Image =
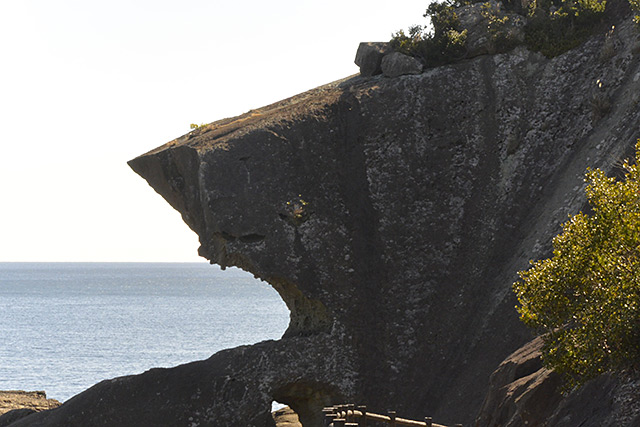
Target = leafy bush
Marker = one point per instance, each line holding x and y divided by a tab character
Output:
586	297
635	7
442	45
554	27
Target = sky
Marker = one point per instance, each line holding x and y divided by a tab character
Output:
86	85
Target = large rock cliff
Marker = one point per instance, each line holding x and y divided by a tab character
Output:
391	214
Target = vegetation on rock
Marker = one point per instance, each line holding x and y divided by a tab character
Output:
635	6
556	26
443	44
586	297
553	27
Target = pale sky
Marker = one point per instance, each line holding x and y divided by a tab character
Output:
87	85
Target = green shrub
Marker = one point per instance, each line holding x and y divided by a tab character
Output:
635	7
441	45
497	29
553	27
556	26
586	297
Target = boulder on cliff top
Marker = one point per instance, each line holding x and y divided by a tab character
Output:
369	57
397	64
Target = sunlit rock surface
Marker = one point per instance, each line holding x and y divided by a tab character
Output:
16	404
391	214
524	393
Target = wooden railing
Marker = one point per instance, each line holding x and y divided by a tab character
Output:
350	415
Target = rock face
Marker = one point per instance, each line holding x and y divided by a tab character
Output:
391	215
523	393
232	388
396	64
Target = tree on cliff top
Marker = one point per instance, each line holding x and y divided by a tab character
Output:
586	297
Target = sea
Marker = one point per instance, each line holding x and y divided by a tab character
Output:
66	326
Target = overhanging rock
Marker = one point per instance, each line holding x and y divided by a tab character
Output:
391	214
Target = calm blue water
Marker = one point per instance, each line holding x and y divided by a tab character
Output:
66	326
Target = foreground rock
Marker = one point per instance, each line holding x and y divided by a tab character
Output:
232	388
285	417
523	393
391	215
16	404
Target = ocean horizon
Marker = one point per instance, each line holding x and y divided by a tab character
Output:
68	325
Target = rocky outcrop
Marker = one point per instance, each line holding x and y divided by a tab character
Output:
523	393
16	404
369	57
391	215
396	64
487	28
232	388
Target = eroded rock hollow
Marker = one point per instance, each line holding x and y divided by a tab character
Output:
391	214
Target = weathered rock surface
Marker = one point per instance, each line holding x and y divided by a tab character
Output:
232	388
16	404
607	401
489	27
391	215
523	393
397	64
369	57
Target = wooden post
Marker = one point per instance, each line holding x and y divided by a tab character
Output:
350	415
328	419
338	411
392	417
428	421
328	412
363	419
344	408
